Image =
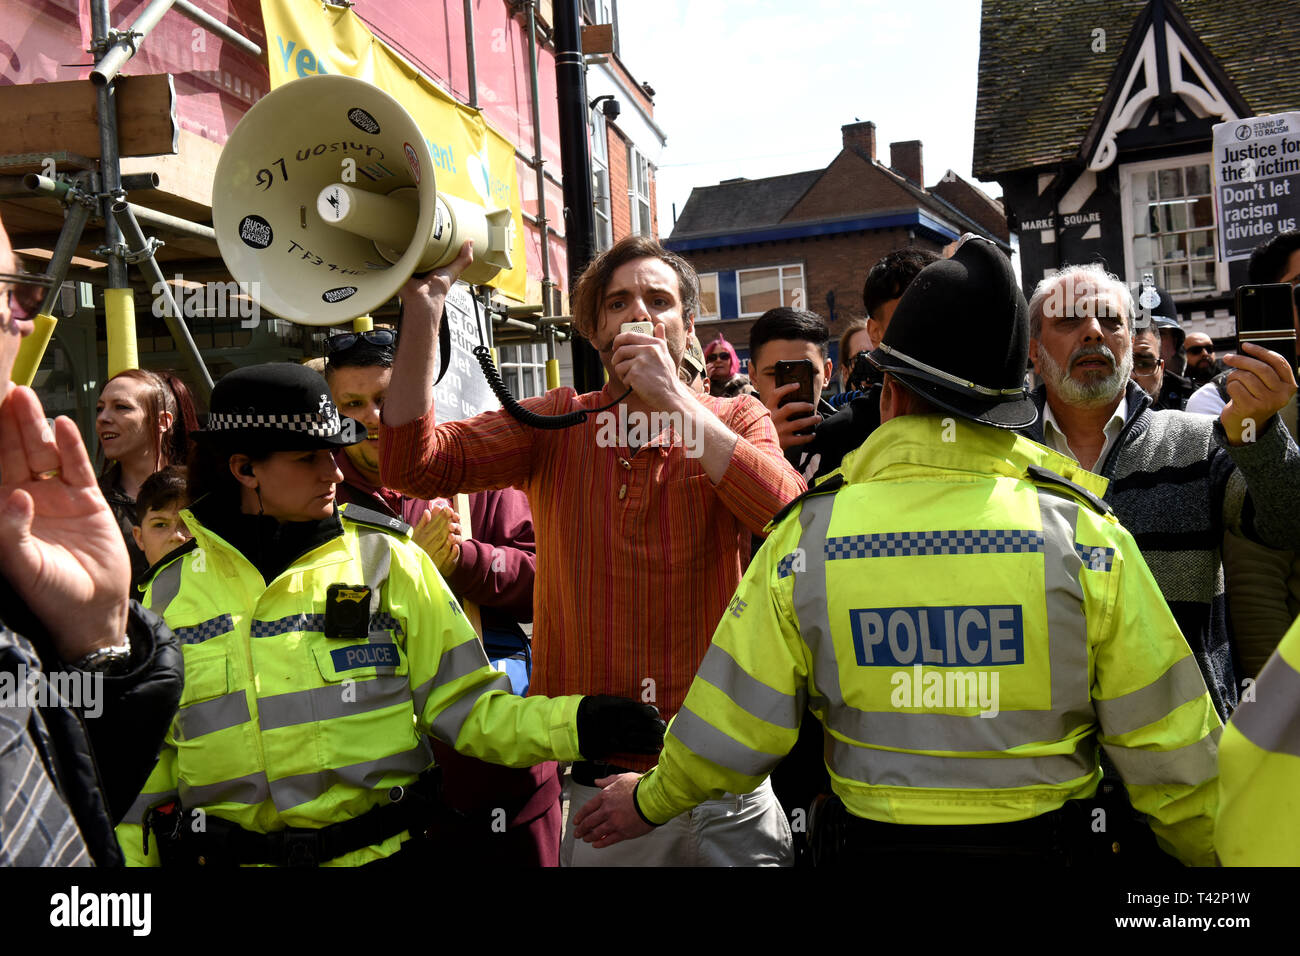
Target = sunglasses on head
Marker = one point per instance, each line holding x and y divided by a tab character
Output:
342	341
1198	349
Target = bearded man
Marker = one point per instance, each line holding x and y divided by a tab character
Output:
1177	480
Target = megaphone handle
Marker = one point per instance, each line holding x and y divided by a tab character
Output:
444	349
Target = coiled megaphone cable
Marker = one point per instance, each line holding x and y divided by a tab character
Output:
522	415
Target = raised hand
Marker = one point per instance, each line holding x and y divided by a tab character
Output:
644	364
1259	386
62	550
794	417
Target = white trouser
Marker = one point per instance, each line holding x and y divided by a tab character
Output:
739	830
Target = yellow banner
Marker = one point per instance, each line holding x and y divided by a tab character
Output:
472	160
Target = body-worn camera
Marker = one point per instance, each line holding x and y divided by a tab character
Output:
347	612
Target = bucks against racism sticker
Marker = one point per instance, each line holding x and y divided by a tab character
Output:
338	295
255	231
362	120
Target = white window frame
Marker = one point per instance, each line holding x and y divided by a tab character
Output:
527	361
717	298
801	302
600	184
638	192
1127	172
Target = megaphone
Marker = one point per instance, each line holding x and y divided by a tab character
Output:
324	249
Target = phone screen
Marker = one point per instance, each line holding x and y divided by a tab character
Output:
1265	317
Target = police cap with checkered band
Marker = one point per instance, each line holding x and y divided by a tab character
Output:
278	406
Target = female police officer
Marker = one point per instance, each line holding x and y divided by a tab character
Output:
320	646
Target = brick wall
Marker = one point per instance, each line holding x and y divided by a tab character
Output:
974	204
850	185
620	212
836	264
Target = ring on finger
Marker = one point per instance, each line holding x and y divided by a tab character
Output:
47	475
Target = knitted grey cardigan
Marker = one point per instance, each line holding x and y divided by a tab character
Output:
1176	484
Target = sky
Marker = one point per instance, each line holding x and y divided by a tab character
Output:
761	88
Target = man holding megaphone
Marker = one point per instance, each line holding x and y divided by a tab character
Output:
643	513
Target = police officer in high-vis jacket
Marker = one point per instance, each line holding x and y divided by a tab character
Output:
963	614
321	646
1259	767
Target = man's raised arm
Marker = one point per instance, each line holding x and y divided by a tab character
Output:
410	393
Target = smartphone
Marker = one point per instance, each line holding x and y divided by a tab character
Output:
645	328
802	372
1265	317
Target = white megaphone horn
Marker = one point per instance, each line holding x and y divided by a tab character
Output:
325	197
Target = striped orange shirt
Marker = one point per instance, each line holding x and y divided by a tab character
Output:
638	554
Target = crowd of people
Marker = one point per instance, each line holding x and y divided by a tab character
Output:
1029	560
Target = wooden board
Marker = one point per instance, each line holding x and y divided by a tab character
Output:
598	38
43	117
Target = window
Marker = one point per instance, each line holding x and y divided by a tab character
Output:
763	289
708	297
638	191
1168	210
600	180
523	368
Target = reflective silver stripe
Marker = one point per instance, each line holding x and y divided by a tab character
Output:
459	661
166	585
1190	765
1181	683
376	559
1272	719
808	600
209	716
721	670
422	695
331	701
290	792
135	813
715	746
446	726
250	790
456	662
891	768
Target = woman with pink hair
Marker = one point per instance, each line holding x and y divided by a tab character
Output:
722	366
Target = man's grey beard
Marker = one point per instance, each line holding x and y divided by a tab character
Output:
1094	394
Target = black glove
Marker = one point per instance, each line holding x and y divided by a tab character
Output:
608	725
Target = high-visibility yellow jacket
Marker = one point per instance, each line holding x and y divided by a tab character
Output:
281	726
967	626
1259	767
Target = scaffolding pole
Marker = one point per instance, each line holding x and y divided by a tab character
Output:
142	254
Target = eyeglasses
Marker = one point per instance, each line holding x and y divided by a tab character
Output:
1145	365
1198	349
343	341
